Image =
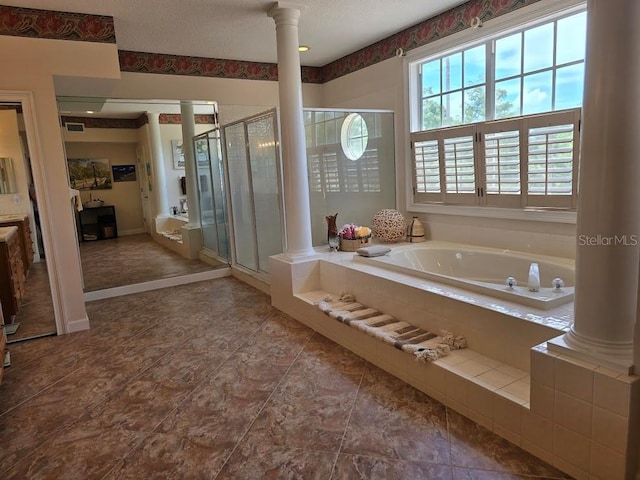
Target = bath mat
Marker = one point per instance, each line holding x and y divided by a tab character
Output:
425	346
11	329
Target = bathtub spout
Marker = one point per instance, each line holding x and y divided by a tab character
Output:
534	277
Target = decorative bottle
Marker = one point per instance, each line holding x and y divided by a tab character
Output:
415	232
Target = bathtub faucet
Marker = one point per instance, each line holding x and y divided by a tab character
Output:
534	277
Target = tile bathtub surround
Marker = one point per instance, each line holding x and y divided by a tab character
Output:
501	329
213	382
568	412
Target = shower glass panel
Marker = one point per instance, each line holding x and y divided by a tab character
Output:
351	166
253	161
263	158
212	193
241	198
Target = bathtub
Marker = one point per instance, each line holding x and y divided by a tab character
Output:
482	270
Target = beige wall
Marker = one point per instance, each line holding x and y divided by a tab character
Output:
10	147
124	196
172	175
31	65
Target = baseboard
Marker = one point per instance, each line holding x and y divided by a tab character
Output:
251	279
134	231
156	284
78	325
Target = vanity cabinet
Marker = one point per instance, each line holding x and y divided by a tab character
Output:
3	345
12	276
24	233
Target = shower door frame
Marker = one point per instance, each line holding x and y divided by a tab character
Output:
225	182
275	113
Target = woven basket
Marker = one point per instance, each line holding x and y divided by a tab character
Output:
353	245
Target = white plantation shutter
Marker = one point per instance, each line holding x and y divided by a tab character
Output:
552	159
331	172
370	170
426	168
458	160
315	173
502	147
525	162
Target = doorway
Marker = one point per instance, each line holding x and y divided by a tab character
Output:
32	311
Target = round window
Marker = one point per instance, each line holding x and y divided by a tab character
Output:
354	136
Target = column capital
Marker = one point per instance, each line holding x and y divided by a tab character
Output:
286	13
155	116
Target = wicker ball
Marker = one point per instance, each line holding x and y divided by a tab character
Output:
389	225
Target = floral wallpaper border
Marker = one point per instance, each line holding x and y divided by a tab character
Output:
447	23
96	28
142	62
96	122
34	23
176	119
164	119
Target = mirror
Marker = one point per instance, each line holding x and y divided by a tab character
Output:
111	160
27	304
7	177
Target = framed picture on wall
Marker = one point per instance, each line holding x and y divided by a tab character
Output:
178	154
89	173
124	173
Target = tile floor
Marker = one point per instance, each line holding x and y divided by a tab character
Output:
35	314
131	259
209	381
105	264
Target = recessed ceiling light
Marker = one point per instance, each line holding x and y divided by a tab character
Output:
89	111
304	48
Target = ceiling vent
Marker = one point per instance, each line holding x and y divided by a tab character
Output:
74	127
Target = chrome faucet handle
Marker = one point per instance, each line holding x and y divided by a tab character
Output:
557	284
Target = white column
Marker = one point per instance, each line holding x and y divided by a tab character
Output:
294	150
159	183
608	225
190	169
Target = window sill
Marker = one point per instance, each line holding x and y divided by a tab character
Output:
529	214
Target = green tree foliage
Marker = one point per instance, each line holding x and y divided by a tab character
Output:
474	108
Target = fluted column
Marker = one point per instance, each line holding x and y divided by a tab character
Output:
294	150
190	169
159	184
608	222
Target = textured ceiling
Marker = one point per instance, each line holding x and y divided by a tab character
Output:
241	29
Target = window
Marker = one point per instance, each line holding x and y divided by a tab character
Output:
496	122
539	68
526	162
354	136
343	151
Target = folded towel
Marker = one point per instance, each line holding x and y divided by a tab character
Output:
373	251
76	199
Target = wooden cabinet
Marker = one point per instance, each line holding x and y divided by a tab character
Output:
97	223
12	273
3	344
24	233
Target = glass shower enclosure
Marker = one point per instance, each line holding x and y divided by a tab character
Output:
252	153
212	195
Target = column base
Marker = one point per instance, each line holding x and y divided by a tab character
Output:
616	356
294	257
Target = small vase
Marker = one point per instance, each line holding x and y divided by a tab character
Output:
415	232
